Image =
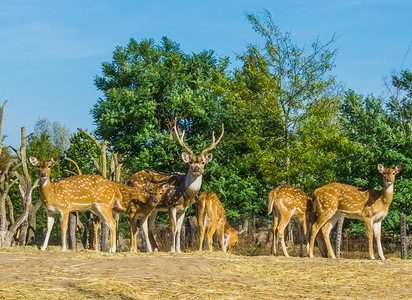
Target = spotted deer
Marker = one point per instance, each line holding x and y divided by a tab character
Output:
140	204
79	193
288	202
211	216
137	205
181	191
336	199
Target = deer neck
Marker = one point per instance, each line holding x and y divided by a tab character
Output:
46	191
387	194
191	185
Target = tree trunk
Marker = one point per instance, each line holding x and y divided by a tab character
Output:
338	241
104	236
23	233
5	238
31	233
287	144
72	231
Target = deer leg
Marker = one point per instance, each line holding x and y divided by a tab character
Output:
369	232
95	233
284	221
50	222
172	217
64	224
133	234
145	227
320	240
275	234
180	218
106	215
326	232
306	230
301	231
220	229
210	232
377	232
315	228
201	223
151	220
112	224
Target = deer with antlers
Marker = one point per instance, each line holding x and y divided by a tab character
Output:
79	193
181	191
211	215
336	199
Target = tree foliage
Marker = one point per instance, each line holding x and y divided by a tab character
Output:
145	87
285	117
381	137
291	100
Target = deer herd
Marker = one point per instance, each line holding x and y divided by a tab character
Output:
148	192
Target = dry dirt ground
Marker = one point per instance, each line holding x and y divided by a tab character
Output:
28	273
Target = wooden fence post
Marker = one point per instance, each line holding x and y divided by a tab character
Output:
404	245
338	236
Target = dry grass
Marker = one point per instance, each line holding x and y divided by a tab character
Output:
27	273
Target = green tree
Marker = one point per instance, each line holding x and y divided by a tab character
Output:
285	91
381	136
83	151
145	87
401	101
55	136
49	139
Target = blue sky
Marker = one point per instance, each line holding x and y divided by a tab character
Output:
50	51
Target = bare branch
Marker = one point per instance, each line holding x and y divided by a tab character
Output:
90	136
79	172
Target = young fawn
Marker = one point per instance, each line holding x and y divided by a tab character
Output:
79	193
336	199
140	205
211	215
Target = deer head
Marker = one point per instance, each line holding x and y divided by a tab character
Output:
43	167
389	174
196	162
155	191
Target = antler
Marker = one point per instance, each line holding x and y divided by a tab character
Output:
180	138
214	144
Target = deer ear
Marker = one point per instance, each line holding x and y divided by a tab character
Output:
53	160
208	158
381	168
33	160
185	157
398	168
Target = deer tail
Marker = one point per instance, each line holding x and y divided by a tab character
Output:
271	199
314	202
209	210
118	202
